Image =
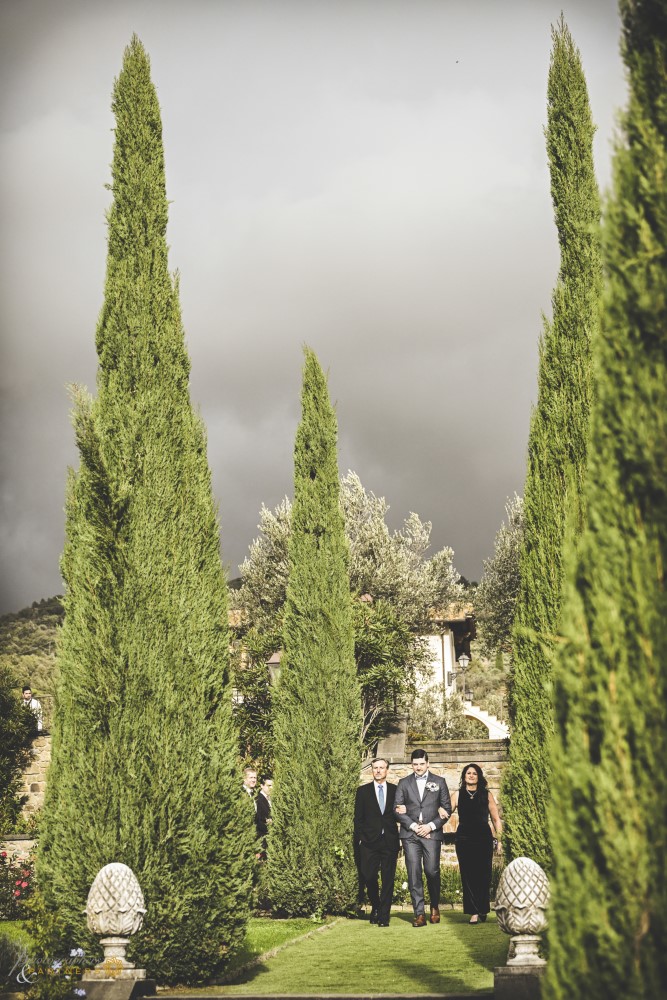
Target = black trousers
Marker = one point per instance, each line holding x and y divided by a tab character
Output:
376	861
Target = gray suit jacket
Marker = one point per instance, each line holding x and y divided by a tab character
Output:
436	794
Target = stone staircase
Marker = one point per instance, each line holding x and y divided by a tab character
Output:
497	730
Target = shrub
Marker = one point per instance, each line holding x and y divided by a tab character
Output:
17	729
16	883
57	978
13	957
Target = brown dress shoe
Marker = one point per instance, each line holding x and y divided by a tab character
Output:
435	915
419	921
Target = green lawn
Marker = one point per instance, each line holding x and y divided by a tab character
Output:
14	929
353	956
264	935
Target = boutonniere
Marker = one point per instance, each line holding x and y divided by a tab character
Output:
432	786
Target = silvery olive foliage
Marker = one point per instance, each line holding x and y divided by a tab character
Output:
392	567
388	565
496	596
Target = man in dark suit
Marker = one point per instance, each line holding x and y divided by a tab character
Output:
376	836
421	794
263	812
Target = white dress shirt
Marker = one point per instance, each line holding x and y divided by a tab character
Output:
421	785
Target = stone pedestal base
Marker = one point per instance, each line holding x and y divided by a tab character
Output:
114	965
525	950
120	988
518	982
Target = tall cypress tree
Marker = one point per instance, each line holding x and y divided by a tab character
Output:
608	923
317	709
143	768
556	448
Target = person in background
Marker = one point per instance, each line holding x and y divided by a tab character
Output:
474	840
249	784
263	812
34	705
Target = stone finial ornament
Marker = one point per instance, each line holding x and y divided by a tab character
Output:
521	904
115	901
115	909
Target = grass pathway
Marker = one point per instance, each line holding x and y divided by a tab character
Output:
355	957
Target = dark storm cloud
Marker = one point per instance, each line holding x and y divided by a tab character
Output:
367	178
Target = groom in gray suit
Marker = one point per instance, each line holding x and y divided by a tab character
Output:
422	794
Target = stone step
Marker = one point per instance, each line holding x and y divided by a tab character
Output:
486	718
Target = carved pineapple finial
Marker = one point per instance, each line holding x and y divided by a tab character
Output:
521	906
115	902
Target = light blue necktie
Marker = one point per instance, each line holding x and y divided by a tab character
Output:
381	798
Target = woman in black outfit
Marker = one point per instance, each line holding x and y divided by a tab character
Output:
474	841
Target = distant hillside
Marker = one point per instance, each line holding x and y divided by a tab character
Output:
28	643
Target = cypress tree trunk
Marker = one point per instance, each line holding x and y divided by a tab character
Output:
317	708
556	449
609	808
144	751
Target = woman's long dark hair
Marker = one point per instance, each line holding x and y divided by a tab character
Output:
482	783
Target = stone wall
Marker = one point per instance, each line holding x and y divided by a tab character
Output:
19	846
34	777
34	786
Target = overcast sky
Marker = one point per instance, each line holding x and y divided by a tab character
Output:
365	176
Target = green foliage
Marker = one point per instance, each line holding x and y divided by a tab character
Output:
18	728
31	632
608	918
391	567
488	682
53	974
51	982
16	885
317	707
265	573
28	647
388	656
436	716
144	751
556	449
13	956
253	704
496	596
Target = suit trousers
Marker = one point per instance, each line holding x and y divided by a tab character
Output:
379	860
422	853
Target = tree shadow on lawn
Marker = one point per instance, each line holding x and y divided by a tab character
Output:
451	957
